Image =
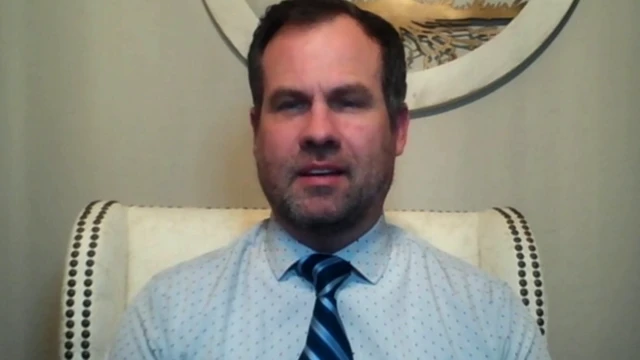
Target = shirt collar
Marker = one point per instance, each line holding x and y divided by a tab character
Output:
369	255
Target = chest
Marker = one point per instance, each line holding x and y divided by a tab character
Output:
394	322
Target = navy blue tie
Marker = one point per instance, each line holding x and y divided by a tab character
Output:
327	339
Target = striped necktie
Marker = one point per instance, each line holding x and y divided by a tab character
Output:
327	339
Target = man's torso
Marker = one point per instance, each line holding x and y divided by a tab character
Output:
230	305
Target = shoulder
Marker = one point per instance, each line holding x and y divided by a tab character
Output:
204	271
447	272
174	299
479	300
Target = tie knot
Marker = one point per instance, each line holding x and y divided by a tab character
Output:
325	272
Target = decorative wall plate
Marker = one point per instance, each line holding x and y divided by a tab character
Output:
453	47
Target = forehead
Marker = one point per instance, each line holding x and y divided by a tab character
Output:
323	55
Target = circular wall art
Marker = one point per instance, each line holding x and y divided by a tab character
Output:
453	48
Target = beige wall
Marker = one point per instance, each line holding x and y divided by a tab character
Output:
143	102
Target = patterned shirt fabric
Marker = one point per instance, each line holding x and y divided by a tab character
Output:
405	299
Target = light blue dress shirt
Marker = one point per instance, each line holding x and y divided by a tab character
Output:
407	300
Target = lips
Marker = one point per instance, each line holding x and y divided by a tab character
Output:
322	170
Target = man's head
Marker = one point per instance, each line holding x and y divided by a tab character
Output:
311	12
328	83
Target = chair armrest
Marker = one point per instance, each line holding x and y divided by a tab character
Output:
508	250
94	287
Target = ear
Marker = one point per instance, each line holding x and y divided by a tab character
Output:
254	115
402	129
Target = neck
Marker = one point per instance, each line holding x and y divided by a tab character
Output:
332	240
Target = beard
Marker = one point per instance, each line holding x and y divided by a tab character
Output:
326	210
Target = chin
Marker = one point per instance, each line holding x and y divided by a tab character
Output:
318	208
320	211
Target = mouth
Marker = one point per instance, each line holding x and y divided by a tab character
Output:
322	170
322	174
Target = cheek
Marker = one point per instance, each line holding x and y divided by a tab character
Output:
274	144
368	141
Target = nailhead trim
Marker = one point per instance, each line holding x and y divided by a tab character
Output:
87	233
69	333
519	228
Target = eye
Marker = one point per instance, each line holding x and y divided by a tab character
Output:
348	104
350	98
291	105
352	103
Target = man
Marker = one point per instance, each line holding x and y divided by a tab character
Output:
326	277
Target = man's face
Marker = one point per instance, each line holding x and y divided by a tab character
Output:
323	144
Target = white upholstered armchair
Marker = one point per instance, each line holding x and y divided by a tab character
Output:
115	249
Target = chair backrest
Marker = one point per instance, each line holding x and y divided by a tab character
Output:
115	249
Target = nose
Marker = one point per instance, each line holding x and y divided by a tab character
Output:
320	134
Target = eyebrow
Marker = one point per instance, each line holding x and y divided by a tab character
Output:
283	93
353	89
